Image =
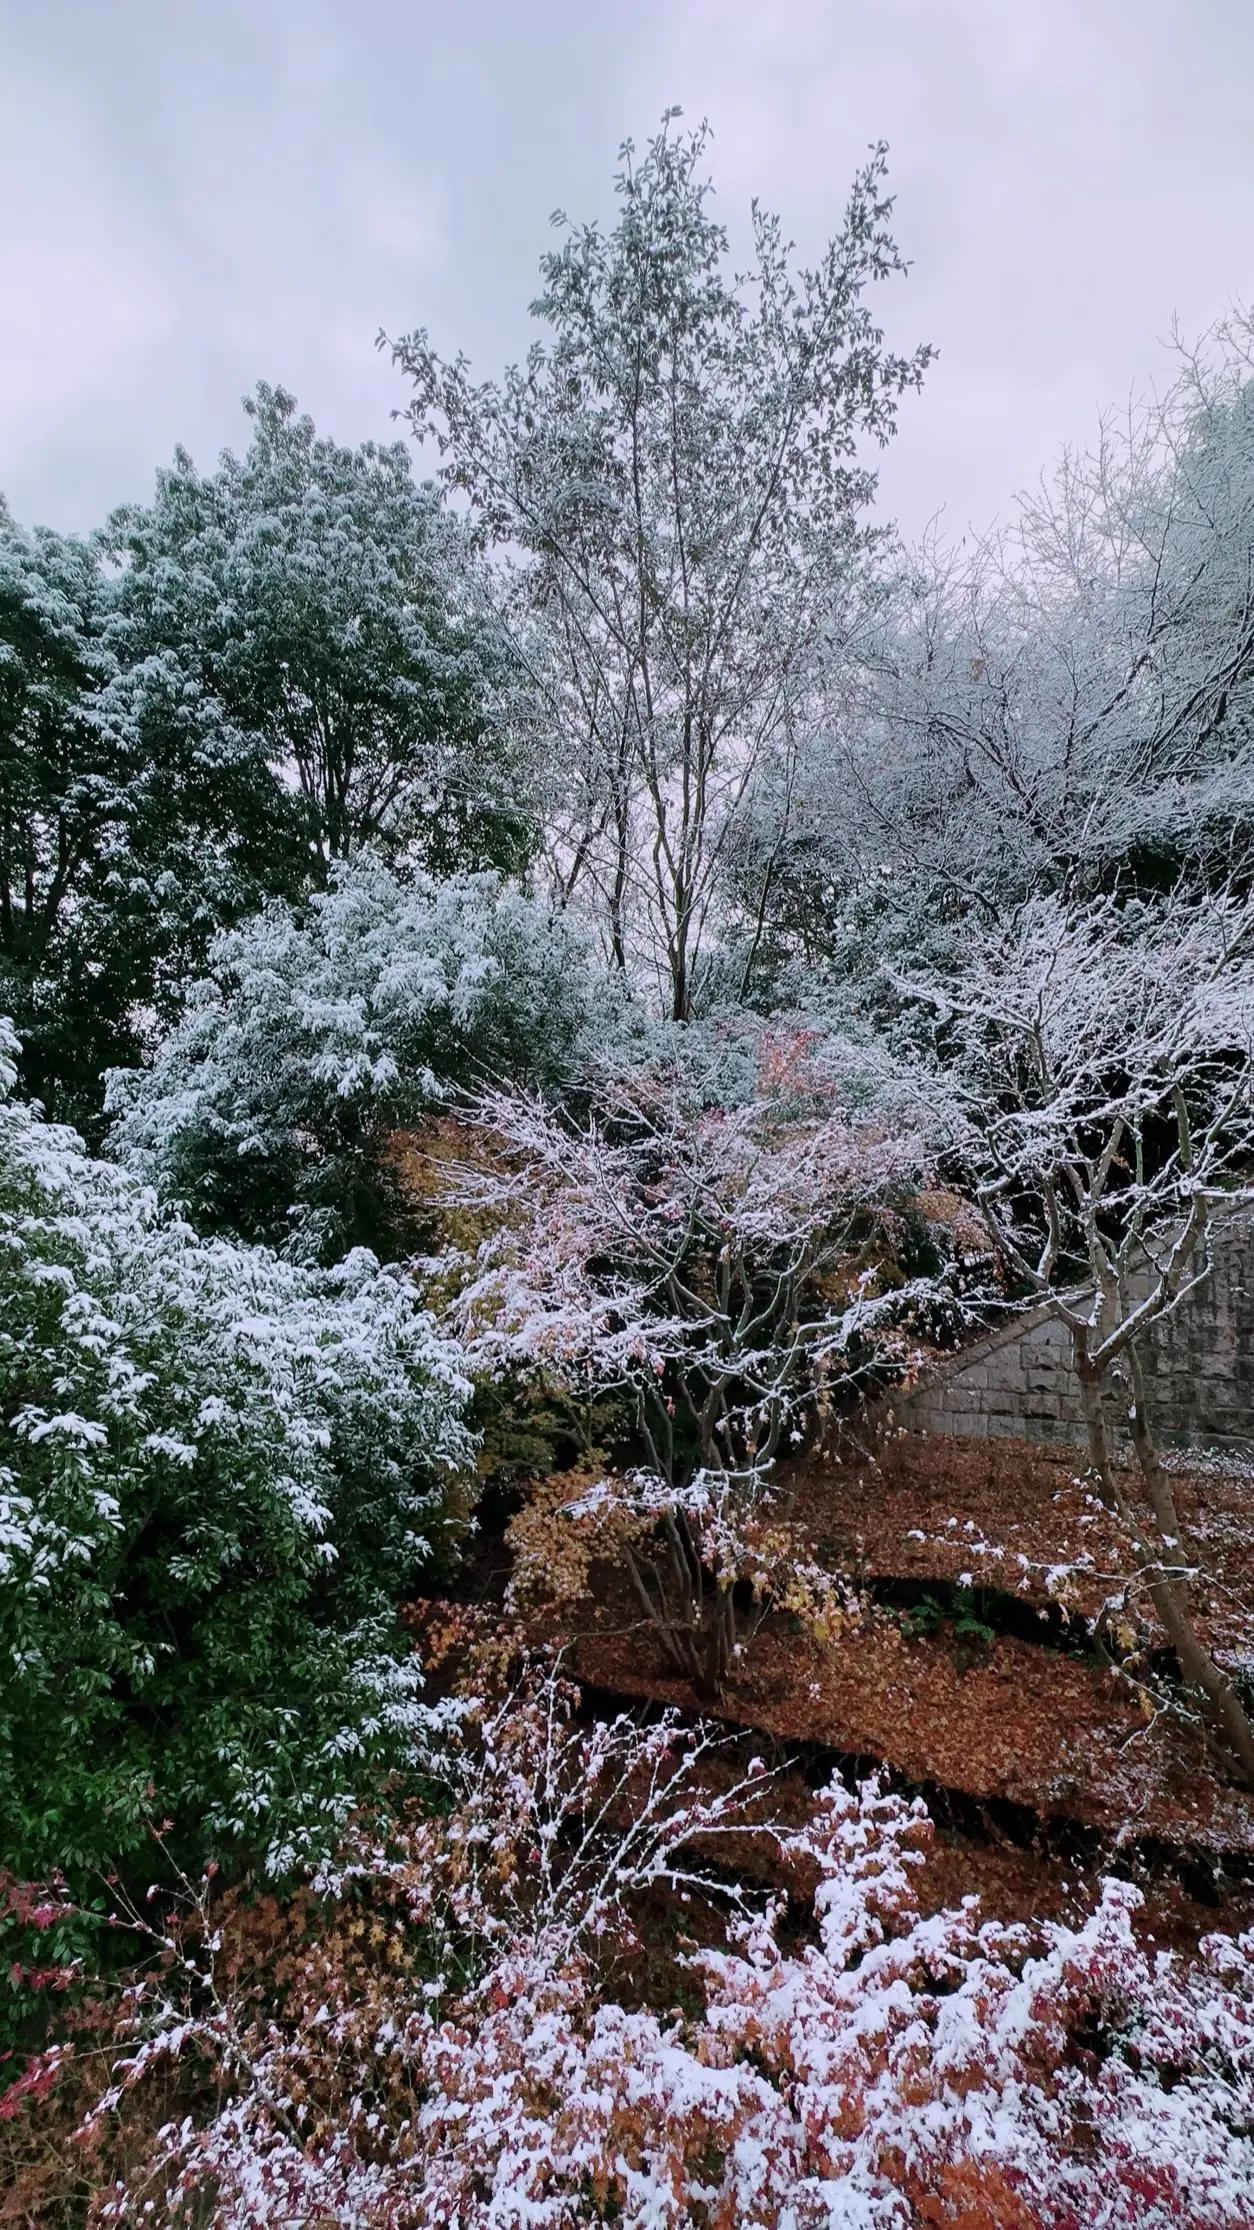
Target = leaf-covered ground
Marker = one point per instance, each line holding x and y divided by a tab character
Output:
973	1675
1022	1519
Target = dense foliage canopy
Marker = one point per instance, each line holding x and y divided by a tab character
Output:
265	670
133	819
220	1471
327	604
324	1029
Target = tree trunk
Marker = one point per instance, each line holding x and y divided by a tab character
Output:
1167	1591
1095	1425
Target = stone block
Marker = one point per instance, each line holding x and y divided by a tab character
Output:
961	1400
1002	1401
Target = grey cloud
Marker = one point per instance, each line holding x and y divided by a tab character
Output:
198	193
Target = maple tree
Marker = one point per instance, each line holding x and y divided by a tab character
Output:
717	1267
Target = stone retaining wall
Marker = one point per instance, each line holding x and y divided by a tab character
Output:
1019	1384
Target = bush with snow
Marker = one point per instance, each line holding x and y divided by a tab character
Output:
446	2039
218	1469
718	1272
322	1029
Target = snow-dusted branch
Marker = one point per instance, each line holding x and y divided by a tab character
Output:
723	1267
1097	1064
449	2045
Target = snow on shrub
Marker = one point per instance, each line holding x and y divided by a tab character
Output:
719	1272
447	2046
321	1029
218	1470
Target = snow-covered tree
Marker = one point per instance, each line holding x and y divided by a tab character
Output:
329	605
1065	706
133	820
218	1471
677	478
717	1267
323	1029
1101	1059
483	2052
265	670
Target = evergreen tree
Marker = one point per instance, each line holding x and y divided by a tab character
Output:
329	604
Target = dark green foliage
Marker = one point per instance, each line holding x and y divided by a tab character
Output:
262	672
218	1473
328	604
961	1613
133	822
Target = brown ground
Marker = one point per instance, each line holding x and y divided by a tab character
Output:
1026	1726
1021	1762
1010	1515
1018	1719
1043	1767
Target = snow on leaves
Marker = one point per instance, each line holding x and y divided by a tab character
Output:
717	1267
320	1031
217	1464
451	2051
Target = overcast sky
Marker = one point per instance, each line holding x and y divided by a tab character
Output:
195	194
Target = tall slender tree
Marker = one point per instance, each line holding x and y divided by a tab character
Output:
674	485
